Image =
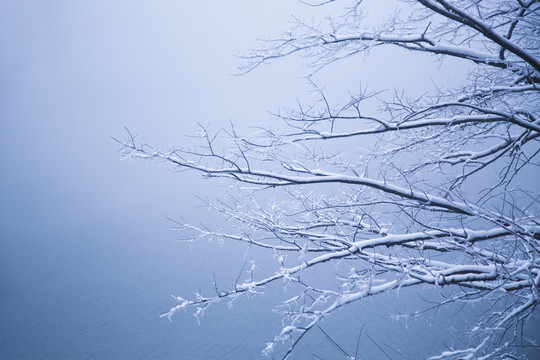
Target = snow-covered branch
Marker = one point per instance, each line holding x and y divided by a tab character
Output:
424	193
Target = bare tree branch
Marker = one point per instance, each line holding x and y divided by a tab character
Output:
432	192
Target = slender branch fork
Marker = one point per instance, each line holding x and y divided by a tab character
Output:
434	191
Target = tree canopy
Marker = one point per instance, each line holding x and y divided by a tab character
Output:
431	192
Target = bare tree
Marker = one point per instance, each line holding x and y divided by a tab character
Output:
433	192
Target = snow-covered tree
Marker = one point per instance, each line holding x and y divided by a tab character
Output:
437	192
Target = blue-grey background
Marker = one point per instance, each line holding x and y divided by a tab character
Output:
87	257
